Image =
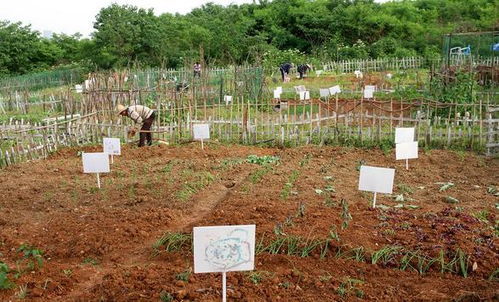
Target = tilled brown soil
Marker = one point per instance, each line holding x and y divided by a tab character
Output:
98	244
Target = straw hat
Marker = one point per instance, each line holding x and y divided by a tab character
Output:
120	108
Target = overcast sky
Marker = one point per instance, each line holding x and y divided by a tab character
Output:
68	16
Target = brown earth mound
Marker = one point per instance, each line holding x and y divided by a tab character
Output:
428	242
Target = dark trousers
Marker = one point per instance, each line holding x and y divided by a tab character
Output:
283	74
146	137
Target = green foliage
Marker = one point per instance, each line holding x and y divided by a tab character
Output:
33	256
172	242
348	287
4	280
184	276
262	160
166	297
262	32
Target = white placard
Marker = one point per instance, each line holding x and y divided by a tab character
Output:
368	93
95	162
334	90
404	135
224	248
324	92
278	89
374	179
201	131
406	150
277	94
79	88
304	95
358	74
318	72
228	99
389	75
300	88
370	87
112	146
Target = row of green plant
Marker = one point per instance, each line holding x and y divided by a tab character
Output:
31	259
397	257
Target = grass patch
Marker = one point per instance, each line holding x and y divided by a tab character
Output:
172	242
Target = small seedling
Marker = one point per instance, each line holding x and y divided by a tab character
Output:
172	242
329	202
4	280
262	160
90	260
30	254
403	188
493	190
348	286
330	188
333	233
286	284
67	272
184	276
166	297
345	214
257	276
445	185
301	210
22	293
451	199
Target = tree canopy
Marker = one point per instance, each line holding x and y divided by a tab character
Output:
323	29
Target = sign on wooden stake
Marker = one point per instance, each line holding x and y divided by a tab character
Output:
277	94
228	99
201	132
96	163
406	151
334	90
404	135
377	180
112	147
224	249
304	95
324	93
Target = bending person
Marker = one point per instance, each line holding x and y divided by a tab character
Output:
141	115
285	68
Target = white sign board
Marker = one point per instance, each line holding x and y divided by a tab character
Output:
112	146
201	131
370	87
278	89
95	162
324	92
304	95
334	90
358	74
374	179
406	150
404	135
79	88
228	99
224	248
318	72
368	93
300	88
277	94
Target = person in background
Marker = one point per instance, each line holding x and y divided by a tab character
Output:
197	70
141	115
303	69
285	68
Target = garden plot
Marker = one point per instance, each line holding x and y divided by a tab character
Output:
317	237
